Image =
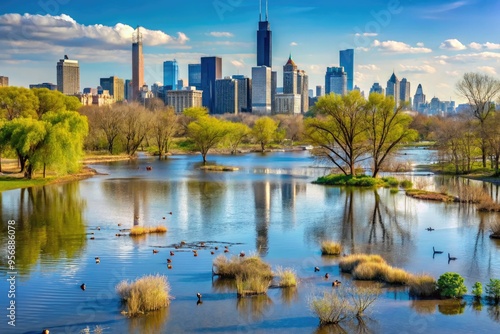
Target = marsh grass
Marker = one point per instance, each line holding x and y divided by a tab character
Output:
148	293
251	285
393	275
348	263
495	229
363	297
422	285
329	247
287	277
369	271
141	230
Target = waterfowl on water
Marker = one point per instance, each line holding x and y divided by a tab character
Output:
155	251
170	213
242	254
216	248
429	229
195	254
83	287
92	238
212	252
164	218
202	244
336	283
451	258
169	261
98	228
172	253
97	260
119	224
327	275
226	250
169	266
316	269
436	252
45	331
198	295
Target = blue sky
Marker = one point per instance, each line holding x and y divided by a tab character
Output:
428	42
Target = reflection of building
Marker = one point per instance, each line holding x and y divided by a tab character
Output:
182	99
68	76
48	85
262	198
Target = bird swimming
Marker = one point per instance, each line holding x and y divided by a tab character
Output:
436	252
83	287
327	275
451	258
316	269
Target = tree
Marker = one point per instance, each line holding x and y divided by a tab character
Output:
190	115
293	126
386	128
135	126
481	91
164	128
451	285
237	132
493	289
111	120
72	103
207	132
492	132
339	131
17	102
263	131
49	100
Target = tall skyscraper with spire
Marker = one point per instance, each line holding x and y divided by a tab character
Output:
264	40
137	65
419	99
392	89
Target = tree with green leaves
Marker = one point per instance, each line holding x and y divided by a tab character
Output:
49	100
164	127
237	132
207	132
264	130
386	128
451	285
339	131
17	102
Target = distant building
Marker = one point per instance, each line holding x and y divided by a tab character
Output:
320	91
4	81
68	76
376	88
435	106
211	70
157	90
296	81
95	96
226	96
264	42
181	83
288	104
115	86
137	67
392	89
404	93
170	74
182	99
261	90
347	62
303	90
274	88
244	93
48	85
419	99
194	75
335	80
128	90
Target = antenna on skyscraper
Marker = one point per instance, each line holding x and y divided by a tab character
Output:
266	10
260	10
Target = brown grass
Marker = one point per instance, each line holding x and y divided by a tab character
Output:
422	285
395	276
348	263
369	271
141	230
241	266
251	285
331	248
148	293
495	229
287	277
429	195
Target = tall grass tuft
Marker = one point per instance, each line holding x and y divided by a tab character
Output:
363	297
332	307
148	293
331	248
348	263
141	230
369	271
422	285
251	285
395	276
287	277
495	229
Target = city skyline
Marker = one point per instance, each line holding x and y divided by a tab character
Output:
427	43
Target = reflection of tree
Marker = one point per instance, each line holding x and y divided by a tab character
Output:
289	295
49	224
424	306
253	308
152	322
494	312
452	307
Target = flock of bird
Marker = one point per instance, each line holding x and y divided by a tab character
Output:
327	276
450	258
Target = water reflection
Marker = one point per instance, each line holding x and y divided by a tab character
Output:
262	199
49	224
289	295
253	308
150	323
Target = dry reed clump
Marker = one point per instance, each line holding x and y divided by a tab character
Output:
422	285
141	230
395	276
251	285
148	293
331	248
495	229
369	271
348	263
287	277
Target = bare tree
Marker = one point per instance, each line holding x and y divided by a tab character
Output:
481	91
164	127
136	123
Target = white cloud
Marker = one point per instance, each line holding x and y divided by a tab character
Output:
370	67
293	44
475	46
491	46
469	57
366	34
398	47
488	70
452	73
421	69
220	34
452	44
360	48
420	44
238	63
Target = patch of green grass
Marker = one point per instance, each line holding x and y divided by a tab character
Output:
349	180
391	181
9	182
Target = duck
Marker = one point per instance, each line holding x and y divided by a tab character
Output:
202	244
226	250
183	242
97	260
169	261
336	283
451	258
155	251
164	218
316	269
170	213
327	275
216	248
45	331
172	253
169	266
83	287
242	254
429	229
212	252
436	252
149	168
119	224
195	254
198	295
92	238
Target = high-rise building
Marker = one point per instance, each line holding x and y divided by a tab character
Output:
377	88
274	88
226	96
290	77
115	86
404	93
137	66
320	91
194	75
264	40
303	90
211	70
182	99
128	90
288	104
48	85
335	80
419	99
261	90
170	74
4	81
68	76
181	83
393	88
244	93
347	62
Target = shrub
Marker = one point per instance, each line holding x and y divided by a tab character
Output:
391	181
331	248
241	266
477	289
395	276
332	307
141	230
363	297
493	289
422	285
369	271
451	285
251	285
348	263
287	276
406	184
148	293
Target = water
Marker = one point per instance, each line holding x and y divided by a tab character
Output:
271	207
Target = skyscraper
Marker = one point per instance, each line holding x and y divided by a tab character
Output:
194	75
68	76
320	91
261	90
404	93
211	70
170	75
393	88
115	86
226	96
290	77
347	62
335	80
244	93
264	40
376	88
137	65
419	98
303	90
4	81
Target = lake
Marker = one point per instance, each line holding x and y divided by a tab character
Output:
269	207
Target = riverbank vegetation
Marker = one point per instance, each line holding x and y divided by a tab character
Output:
329	247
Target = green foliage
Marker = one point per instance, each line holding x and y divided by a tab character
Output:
17	102
49	100
493	289
264	131
406	184
207	132
349	180
477	289
237	132
451	285
72	103
391	181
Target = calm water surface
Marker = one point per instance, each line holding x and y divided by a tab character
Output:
270	207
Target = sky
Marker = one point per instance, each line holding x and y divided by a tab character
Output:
429	42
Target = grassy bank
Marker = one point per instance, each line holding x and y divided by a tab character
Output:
362	181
